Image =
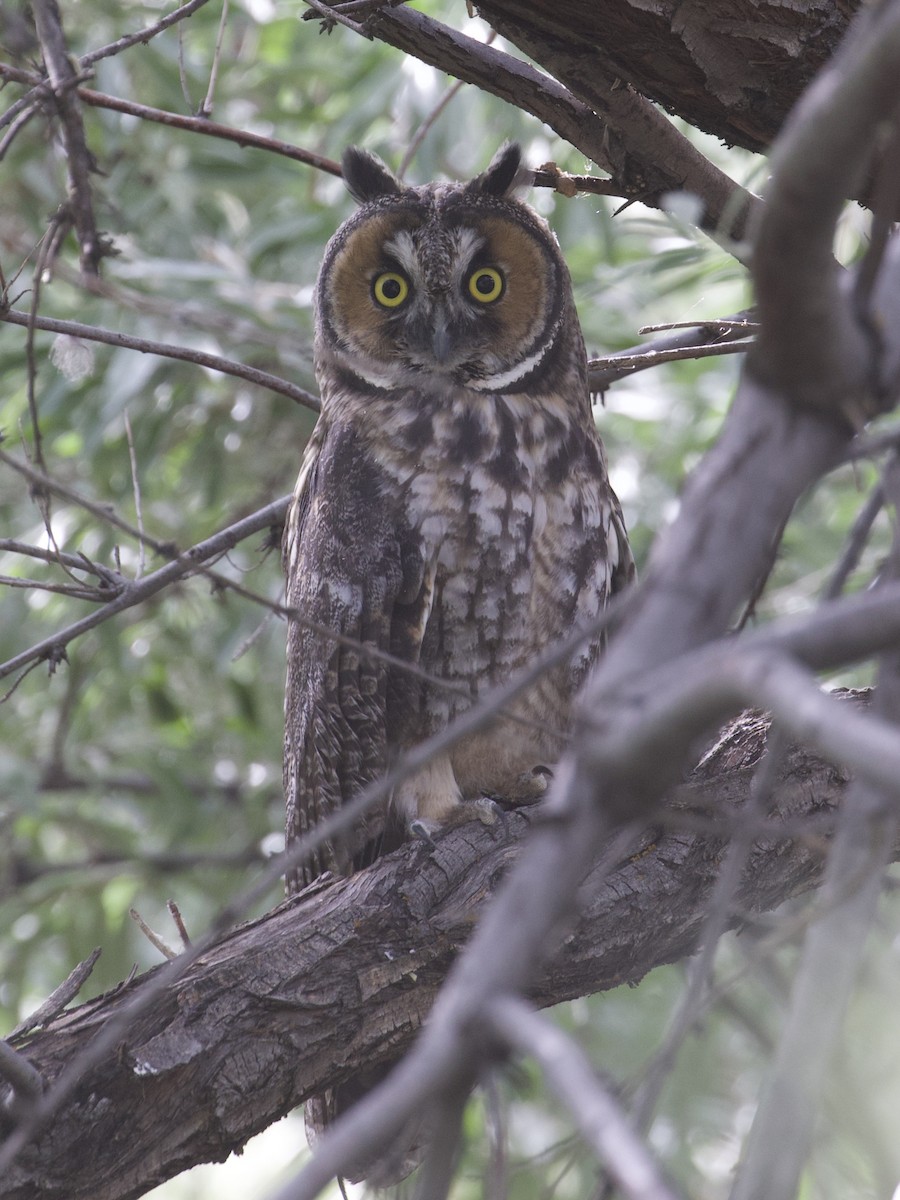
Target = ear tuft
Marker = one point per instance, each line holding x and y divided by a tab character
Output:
366	176
502	174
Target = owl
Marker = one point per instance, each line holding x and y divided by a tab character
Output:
452	513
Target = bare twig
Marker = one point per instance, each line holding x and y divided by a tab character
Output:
155	939
209	129
595	1111
136	592
175	914
550	176
79	161
207	106
200	358
720	336
75	562
422	132
60	996
17	121
605	371
855	544
334	16
143	36
136	489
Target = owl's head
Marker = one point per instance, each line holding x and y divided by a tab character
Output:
456	282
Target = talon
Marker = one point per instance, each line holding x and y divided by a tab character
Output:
489	812
424	830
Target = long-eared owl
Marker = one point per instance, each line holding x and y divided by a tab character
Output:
452	509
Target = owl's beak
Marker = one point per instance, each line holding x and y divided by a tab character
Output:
433	338
442	340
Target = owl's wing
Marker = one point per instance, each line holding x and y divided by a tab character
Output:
352	567
624	572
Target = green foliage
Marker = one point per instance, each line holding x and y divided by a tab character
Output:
160	736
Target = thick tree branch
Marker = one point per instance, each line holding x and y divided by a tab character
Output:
619	130
832	956
340	979
811	346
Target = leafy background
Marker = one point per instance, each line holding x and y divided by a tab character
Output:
147	767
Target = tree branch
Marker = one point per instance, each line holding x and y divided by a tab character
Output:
341	978
200	358
615	127
137	591
79	161
593	1109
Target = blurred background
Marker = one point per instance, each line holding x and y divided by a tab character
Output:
148	766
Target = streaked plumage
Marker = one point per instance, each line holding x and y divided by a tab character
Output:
452	508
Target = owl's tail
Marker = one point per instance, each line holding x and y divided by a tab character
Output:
396	1161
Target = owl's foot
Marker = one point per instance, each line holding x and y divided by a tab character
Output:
483	808
528	788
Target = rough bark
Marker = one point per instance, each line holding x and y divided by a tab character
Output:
340	978
734	70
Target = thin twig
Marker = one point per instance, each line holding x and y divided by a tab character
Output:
143	36
604	371
60	996
73	590
200	358
79	162
182	70
550	176
156	940
332	17
136	489
16	126
138	591
421	133
596	1112
210	129
76	562
175	914
855	543
207	106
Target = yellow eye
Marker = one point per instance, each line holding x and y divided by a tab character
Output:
486	285
390	289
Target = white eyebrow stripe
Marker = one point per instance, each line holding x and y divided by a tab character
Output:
402	247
